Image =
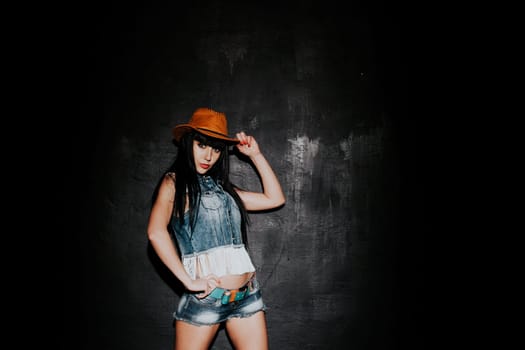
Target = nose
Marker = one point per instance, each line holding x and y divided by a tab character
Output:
207	154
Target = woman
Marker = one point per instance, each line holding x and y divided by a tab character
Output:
208	215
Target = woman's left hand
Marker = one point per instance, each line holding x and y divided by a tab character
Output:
247	145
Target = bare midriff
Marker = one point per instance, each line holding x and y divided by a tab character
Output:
235	281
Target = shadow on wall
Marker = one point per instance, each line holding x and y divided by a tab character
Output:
164	272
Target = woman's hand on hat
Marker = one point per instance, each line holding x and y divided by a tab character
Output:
247	145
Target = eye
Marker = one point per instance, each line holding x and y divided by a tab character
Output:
216	150
201	145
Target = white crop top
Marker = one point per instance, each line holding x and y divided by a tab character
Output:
220	261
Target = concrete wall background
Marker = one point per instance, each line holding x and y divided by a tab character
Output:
323	89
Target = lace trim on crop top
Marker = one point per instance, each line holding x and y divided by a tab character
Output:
220	261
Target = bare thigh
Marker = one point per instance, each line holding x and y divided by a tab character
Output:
191	337
248	333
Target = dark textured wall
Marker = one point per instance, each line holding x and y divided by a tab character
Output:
322	88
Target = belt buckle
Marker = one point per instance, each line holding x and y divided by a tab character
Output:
233	295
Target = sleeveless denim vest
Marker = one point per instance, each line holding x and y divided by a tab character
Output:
218	221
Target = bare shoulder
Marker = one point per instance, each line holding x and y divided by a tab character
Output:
170	176
167	186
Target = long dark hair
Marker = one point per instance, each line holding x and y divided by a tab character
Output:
186	180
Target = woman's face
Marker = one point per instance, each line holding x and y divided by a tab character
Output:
205	156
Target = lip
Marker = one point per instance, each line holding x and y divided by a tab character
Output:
204	166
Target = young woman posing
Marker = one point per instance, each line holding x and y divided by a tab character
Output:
208	215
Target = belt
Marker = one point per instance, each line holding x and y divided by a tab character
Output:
229	295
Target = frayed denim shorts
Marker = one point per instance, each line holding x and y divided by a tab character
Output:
210	310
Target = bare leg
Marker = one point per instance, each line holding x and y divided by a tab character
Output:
248	333
189	336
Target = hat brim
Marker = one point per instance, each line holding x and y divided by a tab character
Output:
182	129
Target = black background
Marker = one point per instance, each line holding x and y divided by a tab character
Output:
283	71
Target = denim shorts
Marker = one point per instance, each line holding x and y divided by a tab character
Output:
209	310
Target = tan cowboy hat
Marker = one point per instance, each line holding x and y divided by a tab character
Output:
207	122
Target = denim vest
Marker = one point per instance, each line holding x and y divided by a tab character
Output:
218	221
